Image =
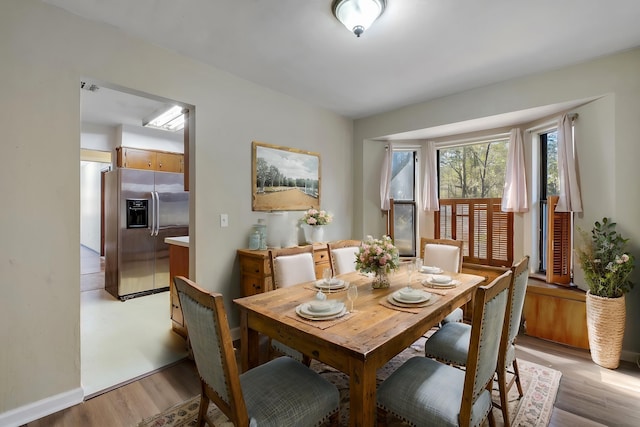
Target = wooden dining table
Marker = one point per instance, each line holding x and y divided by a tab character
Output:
357	343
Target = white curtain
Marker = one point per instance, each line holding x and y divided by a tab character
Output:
514	196
385	179
430	201
569	199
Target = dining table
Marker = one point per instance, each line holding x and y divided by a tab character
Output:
356	342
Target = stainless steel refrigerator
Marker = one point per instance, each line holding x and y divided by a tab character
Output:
141	209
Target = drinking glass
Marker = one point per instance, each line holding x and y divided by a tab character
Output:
352	294
327	275
418	264
411	266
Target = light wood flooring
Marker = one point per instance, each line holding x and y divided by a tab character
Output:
588	395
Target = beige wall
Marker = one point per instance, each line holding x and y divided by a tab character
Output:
45	52
608	147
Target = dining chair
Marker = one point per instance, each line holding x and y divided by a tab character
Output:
425	392
291	266
278	393
446	254
450	343
342	255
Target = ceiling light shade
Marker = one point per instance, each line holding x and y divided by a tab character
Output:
358	15
171	119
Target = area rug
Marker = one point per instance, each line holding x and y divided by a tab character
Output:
539	383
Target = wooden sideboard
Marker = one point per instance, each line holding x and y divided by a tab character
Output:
255	270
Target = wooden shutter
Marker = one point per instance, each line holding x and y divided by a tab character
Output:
558	245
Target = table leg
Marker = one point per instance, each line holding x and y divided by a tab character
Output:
249	344
362	394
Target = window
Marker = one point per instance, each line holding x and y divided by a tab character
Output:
471	179
555	227
403	193
548	187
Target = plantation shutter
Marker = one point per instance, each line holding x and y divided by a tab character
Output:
558	245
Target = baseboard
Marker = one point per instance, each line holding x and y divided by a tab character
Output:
630	356
235	333
36	410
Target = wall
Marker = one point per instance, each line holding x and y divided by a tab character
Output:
607	146
45	52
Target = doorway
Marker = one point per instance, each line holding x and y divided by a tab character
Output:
120	341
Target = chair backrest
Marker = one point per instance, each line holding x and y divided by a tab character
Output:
212	346
291	266
343	255
442	253
489	307
514	307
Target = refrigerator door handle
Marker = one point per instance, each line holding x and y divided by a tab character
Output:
157	212
152	214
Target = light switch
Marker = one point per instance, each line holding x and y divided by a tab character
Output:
224	220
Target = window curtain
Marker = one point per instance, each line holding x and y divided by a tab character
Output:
570	199
514	196
385	178
430	202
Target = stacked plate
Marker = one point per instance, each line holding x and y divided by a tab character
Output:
409	296
330	285
428	269
441	281
321	310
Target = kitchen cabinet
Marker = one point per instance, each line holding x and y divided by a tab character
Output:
136	158
255	270
178	266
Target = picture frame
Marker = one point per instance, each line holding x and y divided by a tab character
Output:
284	178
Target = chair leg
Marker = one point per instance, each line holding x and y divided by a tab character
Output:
202	410
381	417
517	374
492	419
504	391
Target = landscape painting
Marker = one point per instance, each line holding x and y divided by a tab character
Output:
284	179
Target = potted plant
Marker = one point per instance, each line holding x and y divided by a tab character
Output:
607	269
313	222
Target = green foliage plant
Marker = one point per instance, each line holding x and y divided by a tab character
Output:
606	265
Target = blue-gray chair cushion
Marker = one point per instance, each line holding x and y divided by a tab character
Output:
456	315
429	393
301	398
450	343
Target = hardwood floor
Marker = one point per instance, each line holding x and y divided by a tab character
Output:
588	395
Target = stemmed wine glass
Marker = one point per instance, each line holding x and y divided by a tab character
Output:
352	294
327	275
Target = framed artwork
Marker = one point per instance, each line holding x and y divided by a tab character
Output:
284	179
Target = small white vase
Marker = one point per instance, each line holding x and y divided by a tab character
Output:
313	233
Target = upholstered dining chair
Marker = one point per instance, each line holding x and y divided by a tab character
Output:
425	392
291	266
342	255
278	393
450	343
446	254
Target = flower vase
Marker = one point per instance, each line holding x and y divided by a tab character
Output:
313	233
381	280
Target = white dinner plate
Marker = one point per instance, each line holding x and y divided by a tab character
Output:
451	284
440	278
335	284
424	296
341	311
305	309
431	270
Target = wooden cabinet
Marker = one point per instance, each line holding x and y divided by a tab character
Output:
255	270
135	158
556	313
178	266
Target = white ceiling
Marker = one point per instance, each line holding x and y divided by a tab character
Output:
418	50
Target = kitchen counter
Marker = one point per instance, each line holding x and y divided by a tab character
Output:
178	240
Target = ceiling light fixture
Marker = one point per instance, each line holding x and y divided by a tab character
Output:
357	15
171	119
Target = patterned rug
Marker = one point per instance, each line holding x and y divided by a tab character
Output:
539	383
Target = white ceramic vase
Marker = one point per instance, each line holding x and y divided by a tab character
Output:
313	233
